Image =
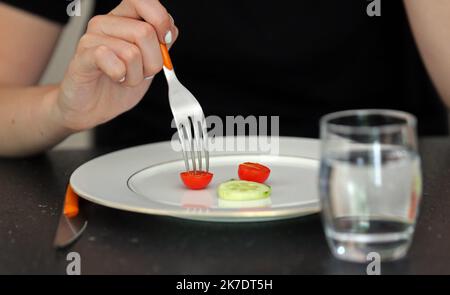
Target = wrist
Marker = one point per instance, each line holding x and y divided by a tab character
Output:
55	113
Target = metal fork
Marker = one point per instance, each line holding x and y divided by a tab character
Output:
189	119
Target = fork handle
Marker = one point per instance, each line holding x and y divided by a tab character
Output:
166	57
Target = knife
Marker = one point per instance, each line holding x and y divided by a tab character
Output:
72	222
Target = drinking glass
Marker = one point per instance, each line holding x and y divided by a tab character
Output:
370	183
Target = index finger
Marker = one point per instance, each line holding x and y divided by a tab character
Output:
150	11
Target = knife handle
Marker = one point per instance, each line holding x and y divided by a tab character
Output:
71	208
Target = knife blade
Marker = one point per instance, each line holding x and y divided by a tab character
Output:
72	222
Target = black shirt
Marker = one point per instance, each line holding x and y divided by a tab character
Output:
295	59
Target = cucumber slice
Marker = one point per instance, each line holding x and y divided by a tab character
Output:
243	190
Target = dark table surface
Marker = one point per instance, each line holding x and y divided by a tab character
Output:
117	242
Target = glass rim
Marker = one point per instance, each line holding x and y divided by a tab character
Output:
409	120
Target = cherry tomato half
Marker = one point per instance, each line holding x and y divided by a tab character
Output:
253	172
196	180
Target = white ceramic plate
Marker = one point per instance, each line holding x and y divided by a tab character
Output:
146	179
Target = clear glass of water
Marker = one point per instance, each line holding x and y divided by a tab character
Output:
370	183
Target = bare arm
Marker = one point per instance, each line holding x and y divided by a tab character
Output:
430	22
109	74
28	124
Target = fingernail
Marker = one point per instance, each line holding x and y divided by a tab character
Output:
149	77
168	37
122	80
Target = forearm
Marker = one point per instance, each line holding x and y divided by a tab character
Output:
430	22
29	120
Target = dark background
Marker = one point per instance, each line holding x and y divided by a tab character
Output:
294	59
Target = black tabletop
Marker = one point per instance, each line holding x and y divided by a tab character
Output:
117	242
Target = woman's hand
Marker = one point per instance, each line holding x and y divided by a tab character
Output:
114	63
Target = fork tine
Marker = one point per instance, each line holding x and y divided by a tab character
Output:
182	139
188	129
198	142
204	130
